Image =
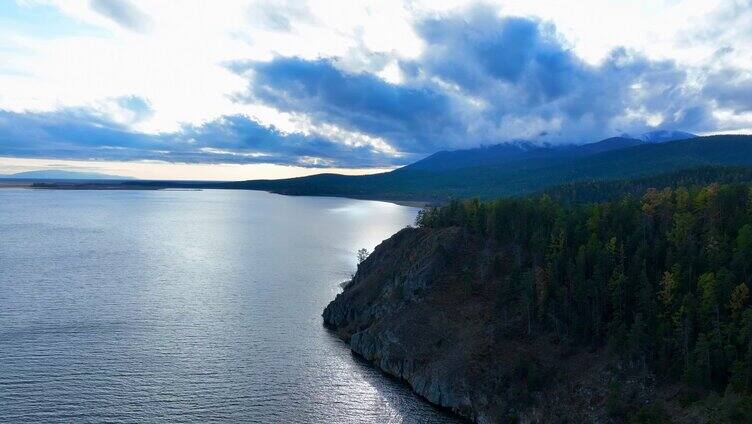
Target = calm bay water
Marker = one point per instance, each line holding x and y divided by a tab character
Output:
186	306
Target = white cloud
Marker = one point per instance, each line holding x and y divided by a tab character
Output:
173	54
178	66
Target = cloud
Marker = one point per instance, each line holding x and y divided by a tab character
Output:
383	87
731	89
124	13
728	23
278	15
484	78
81	133
246	138
413	119
137	107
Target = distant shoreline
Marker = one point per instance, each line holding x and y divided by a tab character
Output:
85	185
88	186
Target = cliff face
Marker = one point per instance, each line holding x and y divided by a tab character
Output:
397	313
422	309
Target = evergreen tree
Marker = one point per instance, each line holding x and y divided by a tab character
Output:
656	279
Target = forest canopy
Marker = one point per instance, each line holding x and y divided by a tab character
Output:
661	280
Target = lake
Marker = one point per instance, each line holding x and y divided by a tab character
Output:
186	306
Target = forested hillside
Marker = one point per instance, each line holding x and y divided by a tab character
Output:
661	281
512	170
601	191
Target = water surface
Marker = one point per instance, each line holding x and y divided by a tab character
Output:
186	306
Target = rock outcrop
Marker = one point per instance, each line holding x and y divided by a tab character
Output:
422	308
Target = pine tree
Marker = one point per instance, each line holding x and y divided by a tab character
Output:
738	301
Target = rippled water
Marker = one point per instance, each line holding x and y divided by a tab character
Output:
186	306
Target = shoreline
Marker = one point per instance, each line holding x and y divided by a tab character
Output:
94	186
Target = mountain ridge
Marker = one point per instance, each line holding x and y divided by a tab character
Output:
524	172
61	174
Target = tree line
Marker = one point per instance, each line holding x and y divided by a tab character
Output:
661	280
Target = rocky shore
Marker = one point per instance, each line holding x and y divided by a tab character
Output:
421	308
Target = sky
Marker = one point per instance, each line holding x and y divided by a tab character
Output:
230	89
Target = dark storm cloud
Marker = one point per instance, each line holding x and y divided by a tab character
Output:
124	13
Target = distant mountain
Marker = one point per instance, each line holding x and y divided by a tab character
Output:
519	169
509	152
613	143
661	136
59	174
480	156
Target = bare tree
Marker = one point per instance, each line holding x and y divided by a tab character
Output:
362	255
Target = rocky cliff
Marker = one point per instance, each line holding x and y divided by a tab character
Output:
423	309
